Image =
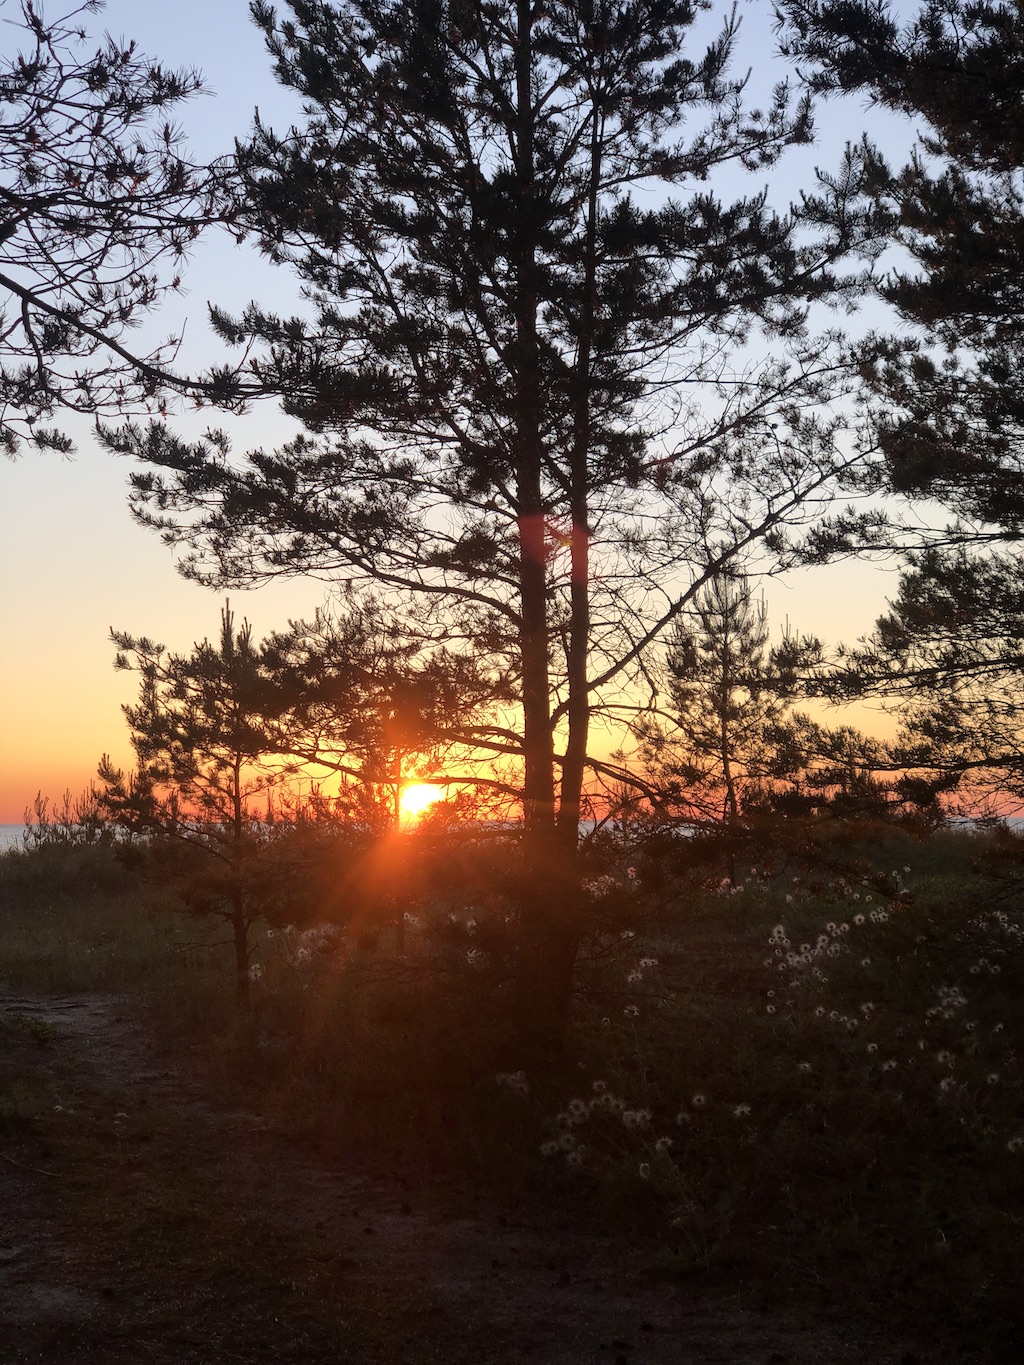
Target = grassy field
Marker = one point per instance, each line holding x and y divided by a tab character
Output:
808	1080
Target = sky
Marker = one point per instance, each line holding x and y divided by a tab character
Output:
73	564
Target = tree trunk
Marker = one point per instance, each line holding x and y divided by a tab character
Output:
542	1001
240	935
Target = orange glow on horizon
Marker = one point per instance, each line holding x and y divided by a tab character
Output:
418	797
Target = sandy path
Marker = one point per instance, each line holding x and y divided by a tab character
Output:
141	1220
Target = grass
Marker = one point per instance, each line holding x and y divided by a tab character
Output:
72	919
798	1081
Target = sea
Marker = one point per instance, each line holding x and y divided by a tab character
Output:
10	837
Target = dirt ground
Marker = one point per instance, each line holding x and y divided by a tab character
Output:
143	1220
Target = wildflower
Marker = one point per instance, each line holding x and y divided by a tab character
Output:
858	919
872	1047
804	1067
992	1078
699	1101
946	1084
663	1144
513	1080
578	1110
741	1110
519	1084
473	955
601	886
548	1148
770	1009
889	1065
599	1087
1015	1144
637	1118
575	1157
865	962
644	1170
951	999
683	1118
631	1011
646	962
255	972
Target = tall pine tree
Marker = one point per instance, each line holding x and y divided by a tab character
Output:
99	205
541	360
949	407
952	417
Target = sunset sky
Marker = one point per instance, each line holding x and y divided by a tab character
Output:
73	562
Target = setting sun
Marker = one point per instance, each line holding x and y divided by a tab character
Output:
416	797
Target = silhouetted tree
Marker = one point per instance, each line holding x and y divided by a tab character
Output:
951	416
728	691
379	707
949	409
204	740
98	207
949	657
533	378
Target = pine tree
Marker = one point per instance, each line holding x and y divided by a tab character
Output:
729	692
949	655
99	205
951	413
535	405
375	709
203	732
950	407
